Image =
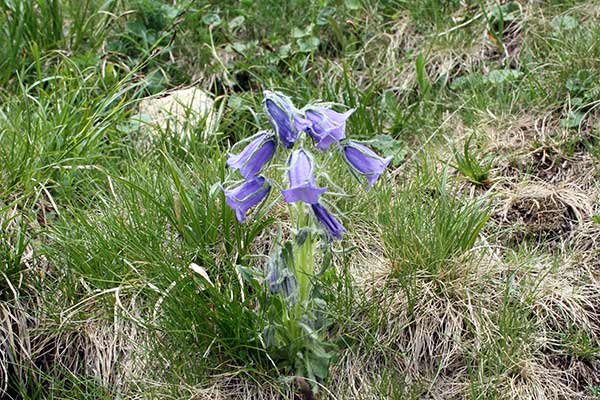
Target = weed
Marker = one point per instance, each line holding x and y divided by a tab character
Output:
424	227
477	172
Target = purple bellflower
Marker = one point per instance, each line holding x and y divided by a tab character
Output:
251	160
333	227
246	195
285	118
327	126
365	161
302	181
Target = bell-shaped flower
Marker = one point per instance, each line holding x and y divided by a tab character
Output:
281	280
332	226
302	180
251	160
285	118
327	126
365	161
247	195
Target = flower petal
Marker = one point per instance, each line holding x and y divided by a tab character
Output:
332	226
255	155
302	181
246	196
300	168
307	193
328	126
285	118
365	161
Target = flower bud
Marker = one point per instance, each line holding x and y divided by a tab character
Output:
332	226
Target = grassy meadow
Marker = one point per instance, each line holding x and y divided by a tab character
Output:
470	270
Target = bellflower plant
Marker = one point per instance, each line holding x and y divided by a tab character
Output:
284	158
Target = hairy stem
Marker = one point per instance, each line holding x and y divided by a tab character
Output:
304	256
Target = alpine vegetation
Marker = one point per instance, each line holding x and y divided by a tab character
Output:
286	158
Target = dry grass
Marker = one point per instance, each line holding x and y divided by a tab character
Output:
72	342
442	344
382	59
584	243
540	208
534	146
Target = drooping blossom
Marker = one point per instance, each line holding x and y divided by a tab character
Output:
327	126
332	226
246	195
302	180
365	161
285	118
280	278
254	156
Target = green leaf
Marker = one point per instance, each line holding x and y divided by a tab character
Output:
211	19
250	275
155	81
352	4
171	12
297	33
319	359
499	76
284	51
240	47
325	14
388	146
235	102
422	79
137	28
506	12
308	45
309	332
581	81
300	33
471	80
573	119
237	22
563	23
596	219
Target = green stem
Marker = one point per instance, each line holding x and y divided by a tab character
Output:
304	257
